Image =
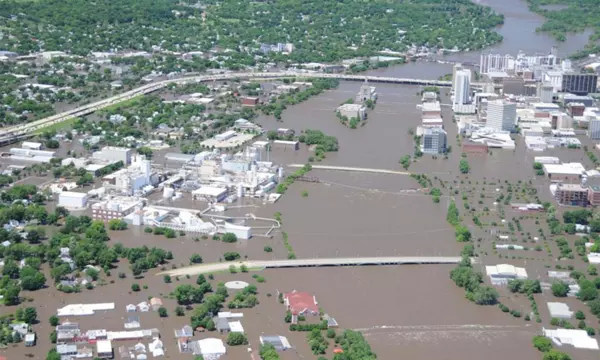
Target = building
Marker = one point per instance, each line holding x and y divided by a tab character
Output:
571	194
456	68
66	349
434	141
575	109
559	310
114	154
587	101
185	331
210	348
545	92
30	339
31	145
577	338
365	93
567	172
514	85
353	111
431	110
116	208
594	129
475	148
594	195
579	84
84	309
501	274
300	303
495	62
40	156
280	343
285	144
249	101
72	199
104	349
210	193
462	88
501	115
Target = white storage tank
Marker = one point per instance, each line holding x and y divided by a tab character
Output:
168	192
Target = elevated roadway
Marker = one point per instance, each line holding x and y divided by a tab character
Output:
20	130
298	263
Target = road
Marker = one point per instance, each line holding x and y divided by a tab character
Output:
278	264
355	169
20	130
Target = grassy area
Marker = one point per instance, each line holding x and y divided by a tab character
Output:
124	104
57	126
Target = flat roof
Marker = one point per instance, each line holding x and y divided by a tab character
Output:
560	310
236	326
84	309
578	338
104	346
73	194
212	346
209	191
564	169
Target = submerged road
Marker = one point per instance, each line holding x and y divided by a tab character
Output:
296	263
355	169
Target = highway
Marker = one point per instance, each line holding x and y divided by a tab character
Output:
297	263
20	130
354	169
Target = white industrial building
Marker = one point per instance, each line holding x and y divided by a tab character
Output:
104	349
41	156
84	309
546	160
240	231
352	111
137	179
114	154
501	115
116	207
72	200
559	310
502	273
31	145
226	135
210	193
576	338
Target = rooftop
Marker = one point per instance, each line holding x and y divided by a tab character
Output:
564	169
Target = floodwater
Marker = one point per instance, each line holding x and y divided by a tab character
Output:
413	312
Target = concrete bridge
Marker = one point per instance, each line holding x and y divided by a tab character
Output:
32	127
353	169
298	263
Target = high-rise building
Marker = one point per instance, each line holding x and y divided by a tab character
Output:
501	115
594	129
495	62
462	87
434	141
456	68
580	84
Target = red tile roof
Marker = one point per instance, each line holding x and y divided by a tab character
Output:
301	301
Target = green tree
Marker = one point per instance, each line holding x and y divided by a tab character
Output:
560	289
485	295
179	311
555	355
11	295
167	279
464	166
229	238
235	339
54	320
542	343
135	287
162	312
196	259
30	315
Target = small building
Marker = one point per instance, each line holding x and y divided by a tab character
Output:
331	322
559	310
84	309
185	332
280	343
31	145
577	338
594	195
222	325
131	308
211	348
300	303
501	274
156	303
72	200
132	322
249	101
567	172
179	157
350	111
226	135
66	349
285	132
104	349
434	141
30	339
236	327
285	144
475	148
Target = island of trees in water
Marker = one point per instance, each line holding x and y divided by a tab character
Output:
320	30
570	16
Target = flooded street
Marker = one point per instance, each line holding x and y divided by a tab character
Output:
405	312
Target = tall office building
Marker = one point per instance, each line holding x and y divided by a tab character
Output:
594	129
462	87
456	68
434	141
501	115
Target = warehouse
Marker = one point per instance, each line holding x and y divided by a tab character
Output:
72	200
31	145
559	310
502	273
